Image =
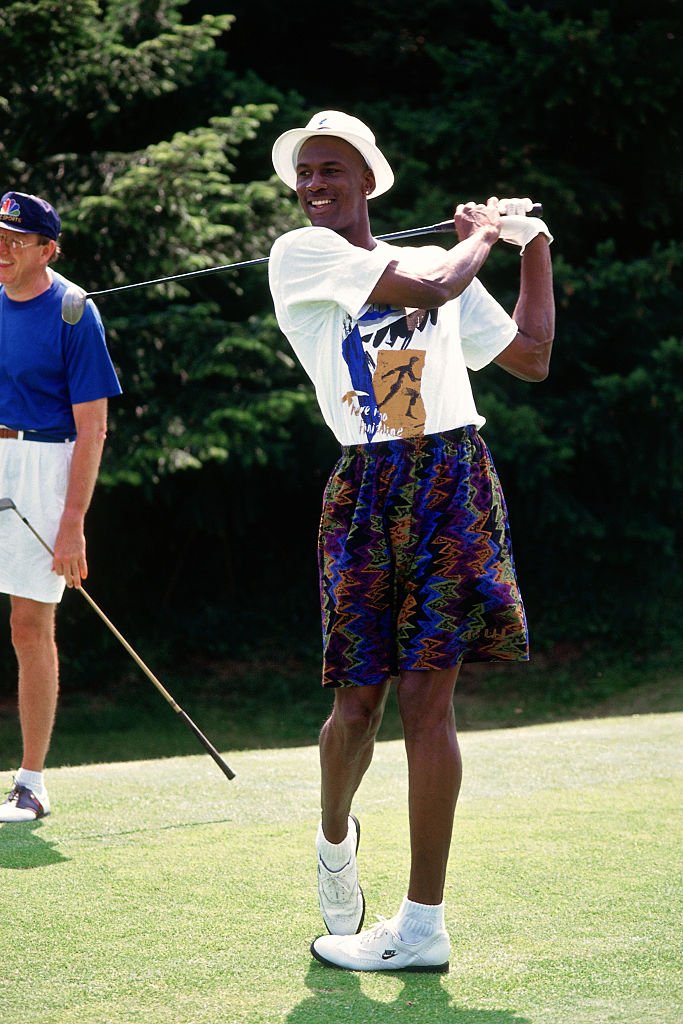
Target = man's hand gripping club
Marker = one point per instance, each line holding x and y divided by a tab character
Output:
510	216
516	227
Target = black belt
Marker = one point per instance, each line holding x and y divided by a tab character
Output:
33	435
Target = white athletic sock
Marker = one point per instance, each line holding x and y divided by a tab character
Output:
417	921
32	780
335	855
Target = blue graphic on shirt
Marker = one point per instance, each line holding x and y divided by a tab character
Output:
383	326
356	359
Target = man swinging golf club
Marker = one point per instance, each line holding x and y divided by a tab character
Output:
55	380
416	567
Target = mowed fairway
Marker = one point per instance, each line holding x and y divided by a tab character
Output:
160	892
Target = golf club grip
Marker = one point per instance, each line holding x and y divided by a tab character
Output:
447	225
208	746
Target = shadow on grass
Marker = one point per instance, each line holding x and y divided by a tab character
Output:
338	996
21	848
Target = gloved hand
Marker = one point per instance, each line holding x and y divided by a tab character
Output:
517	229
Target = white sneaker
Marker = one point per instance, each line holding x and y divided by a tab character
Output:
382	949
21	804
341	899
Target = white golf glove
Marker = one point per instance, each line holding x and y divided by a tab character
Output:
518	229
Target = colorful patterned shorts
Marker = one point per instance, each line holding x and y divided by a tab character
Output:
415	559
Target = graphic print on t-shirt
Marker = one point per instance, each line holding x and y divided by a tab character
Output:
397	383
386	372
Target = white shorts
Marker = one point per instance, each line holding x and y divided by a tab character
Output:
34	474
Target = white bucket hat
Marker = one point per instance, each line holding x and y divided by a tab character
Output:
342	126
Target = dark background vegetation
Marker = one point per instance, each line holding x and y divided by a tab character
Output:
149	124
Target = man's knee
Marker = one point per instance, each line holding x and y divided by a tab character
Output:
357	713
32	626
425	701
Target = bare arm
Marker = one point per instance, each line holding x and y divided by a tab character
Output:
528	354
91	425
446	280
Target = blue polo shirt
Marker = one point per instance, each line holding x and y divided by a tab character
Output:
47	365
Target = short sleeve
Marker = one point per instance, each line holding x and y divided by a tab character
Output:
314	265
485	328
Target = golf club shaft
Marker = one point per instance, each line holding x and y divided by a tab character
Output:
446	225
429	229
208	746
179	277
535	210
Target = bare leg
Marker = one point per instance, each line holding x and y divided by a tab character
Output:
33	638
347	741
434	776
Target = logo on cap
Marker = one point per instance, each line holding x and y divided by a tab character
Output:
29	215
10	208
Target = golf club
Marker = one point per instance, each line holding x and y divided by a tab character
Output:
75	298
7	503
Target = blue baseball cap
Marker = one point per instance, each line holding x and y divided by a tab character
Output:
29	215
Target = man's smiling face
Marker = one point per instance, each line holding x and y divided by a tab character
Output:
23	269
333	183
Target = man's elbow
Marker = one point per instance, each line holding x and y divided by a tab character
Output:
540	365
529	374
540	370
529	361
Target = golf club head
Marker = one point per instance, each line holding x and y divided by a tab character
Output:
73	304
6	503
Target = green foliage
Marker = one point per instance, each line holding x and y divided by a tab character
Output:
97	63
232	397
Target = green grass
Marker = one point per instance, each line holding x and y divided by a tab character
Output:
269	702
160	893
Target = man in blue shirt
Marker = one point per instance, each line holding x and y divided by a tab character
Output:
55	379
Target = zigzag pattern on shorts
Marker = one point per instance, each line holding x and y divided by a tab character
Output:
416	563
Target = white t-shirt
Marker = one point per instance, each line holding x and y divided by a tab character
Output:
381	372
